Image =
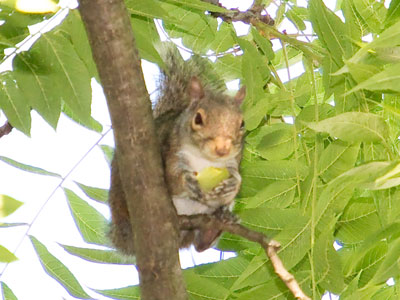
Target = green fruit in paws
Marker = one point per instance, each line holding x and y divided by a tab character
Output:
210	177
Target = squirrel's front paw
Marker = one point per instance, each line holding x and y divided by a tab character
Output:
227	188
192	186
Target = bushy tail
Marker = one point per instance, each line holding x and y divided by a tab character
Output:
175	76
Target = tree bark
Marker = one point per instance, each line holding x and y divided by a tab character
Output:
153	218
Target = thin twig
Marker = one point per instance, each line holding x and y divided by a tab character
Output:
248	16
271	247
265	26
5	129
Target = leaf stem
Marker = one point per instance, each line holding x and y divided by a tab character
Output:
292	104
314	180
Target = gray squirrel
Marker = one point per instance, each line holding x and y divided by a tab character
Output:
198	126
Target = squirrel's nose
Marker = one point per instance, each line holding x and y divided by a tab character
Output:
222	146
222	152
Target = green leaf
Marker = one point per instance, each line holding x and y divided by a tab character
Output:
359	71
6	256
297	15
388	179
307	115
295	241
90	123
371	261
8	205
277	170
199	28
68	73
372	12
97	194
278	194
223	272
125	293
386	80
269	221
277	142
293	54
355	26
15	23
57	270
354	127
330	29
229	67
327	265
7	225
200	5
27	168
337	158
274	289
99	256
199	287
74	28
146	36
390	266
358	220
7	292
253	272
253	114
387	233
223	38
91	224
387	293
108	152
388	38
264	44
337	193
14	103
393	13
255	73
35	78
149	9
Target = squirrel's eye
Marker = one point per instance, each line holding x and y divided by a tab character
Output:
242	125
198	120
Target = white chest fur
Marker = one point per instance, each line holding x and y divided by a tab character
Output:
197	162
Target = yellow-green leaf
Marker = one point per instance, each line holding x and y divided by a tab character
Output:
8	205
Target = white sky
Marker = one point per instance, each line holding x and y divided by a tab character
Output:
58	152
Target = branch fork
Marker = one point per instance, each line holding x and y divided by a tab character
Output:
270	246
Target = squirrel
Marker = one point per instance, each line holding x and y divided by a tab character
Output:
198	126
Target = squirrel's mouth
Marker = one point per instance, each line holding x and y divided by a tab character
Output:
221	156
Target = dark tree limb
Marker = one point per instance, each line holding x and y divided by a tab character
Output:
153	218
271	247
5	129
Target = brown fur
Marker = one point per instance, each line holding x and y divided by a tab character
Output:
203	118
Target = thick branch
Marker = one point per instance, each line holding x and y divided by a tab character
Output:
270	246
5	129
152	215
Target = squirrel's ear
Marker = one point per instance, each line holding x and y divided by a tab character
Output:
195	88
240	95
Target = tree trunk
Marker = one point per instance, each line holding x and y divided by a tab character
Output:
152	215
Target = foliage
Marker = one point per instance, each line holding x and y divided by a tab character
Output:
320	163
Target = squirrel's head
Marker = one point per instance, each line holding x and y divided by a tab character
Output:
216	121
